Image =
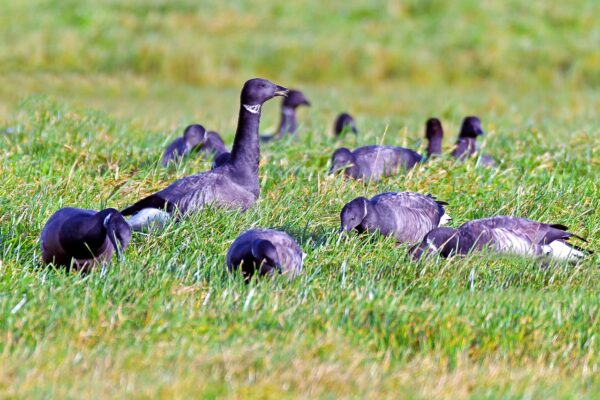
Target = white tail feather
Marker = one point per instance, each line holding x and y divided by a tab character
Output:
561	250
148	216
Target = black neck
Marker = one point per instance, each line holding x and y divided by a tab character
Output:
245	153
288	122
434	147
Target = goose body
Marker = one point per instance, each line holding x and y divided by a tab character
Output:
83	237
502	234
373	162
233	184
406	216
266	252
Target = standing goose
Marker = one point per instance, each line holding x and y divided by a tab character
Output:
503	235
84	237
234	184
288	123
466	145
434	133
406	216
266	252
193	136
373	162
344	123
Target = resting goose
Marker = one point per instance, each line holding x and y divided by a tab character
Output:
233	184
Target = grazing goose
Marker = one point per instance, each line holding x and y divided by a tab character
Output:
233	184
85	237
503	235
344	123
466	145
434	133
266	252
193	136
373	162
406	216
288	123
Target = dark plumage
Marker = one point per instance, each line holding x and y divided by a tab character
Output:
373	162
193	136
234	184
434	133
406	216
466	145
344	123
213	144
503	235
266	252
288	123
84	237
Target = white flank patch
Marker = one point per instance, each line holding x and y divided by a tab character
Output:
148	216
561	250
507	241
254	109
445	219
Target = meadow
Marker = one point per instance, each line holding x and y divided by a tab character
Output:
92	92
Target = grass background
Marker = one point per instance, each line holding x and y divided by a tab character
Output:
90	94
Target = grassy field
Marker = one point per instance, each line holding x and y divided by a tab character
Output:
90	94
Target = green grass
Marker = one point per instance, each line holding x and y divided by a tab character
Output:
91	93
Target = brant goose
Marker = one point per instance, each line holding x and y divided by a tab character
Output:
434	133
233	184
503	235
193	136
344	123
84	237
373	162
288	123
466	145
406	216
266	252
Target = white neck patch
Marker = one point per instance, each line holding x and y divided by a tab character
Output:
254	109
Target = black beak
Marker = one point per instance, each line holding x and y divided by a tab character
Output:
306	103
480	132
116	244
281	91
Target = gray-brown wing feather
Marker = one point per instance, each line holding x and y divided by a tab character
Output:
413	214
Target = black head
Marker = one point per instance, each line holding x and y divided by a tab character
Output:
353	214
433	128
439	240
194	135
256	91
265	255
213	137
471	128
344	123
342	158
295	98
117	229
